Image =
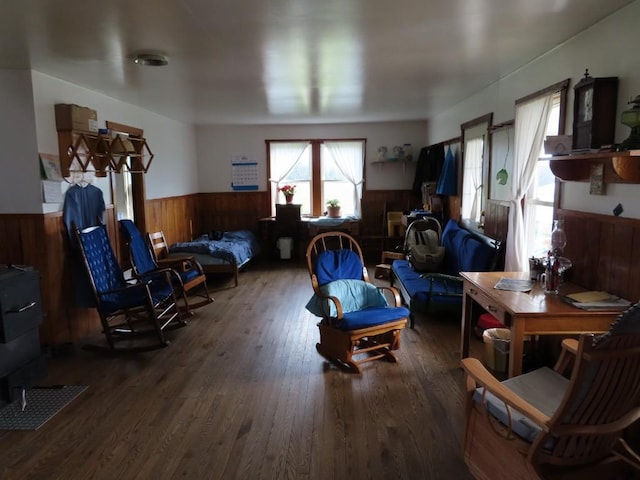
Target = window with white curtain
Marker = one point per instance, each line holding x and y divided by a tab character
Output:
472	179
320	170
540	195
475	171
529	217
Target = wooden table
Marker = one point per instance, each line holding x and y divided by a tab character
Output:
525	313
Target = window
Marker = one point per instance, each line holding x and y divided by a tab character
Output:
320	170
540	195
529	217
475	171
472	184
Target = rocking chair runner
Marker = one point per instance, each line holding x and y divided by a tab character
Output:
127	311
187	274
542	425
356	320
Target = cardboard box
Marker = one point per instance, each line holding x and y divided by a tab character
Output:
75	117
557	145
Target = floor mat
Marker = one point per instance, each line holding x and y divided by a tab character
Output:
41	405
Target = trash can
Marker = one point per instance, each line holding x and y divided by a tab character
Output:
496	348
285	245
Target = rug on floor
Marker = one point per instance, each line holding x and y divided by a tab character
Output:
41	404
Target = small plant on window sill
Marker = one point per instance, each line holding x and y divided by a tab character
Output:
333	208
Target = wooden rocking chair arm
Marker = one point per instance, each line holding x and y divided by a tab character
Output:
602	428
140	284
182	263
336	302
166	272
394	291
477	372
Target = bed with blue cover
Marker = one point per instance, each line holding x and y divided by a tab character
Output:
221	252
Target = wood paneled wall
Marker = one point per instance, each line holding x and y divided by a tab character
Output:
496	220
605	251
40	241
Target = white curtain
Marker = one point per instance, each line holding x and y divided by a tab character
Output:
530	127
473	178
284	156
349	158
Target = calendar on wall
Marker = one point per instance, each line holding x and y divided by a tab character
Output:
244	173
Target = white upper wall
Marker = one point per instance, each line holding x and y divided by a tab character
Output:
219	145
608	49
19	183
173	170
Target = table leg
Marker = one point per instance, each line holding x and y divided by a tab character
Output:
465	330
516	347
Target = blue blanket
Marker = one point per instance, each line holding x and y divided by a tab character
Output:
237	246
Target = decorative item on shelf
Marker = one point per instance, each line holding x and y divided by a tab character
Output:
333	208
288	191
382	153
631	118
408	152
398	153
594	112
557	144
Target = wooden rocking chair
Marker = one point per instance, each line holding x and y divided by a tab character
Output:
187	274
542	425
357	325
134	316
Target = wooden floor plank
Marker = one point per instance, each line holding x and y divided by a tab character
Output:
242	393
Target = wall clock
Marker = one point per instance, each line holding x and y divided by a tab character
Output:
594	112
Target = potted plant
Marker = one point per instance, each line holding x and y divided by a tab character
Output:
288	191
333	208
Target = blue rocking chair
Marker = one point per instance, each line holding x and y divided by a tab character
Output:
187	275
130	313
358	324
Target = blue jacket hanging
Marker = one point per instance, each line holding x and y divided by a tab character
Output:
83	207
448	181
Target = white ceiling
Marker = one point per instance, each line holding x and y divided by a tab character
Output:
288	61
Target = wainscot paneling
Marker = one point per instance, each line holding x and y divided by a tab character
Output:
605	252
496	220
231	211
40	241
177	217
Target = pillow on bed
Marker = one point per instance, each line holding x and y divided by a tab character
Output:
215	235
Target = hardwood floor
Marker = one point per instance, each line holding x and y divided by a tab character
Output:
241	393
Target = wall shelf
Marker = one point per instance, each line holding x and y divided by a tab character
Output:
619	167
393	162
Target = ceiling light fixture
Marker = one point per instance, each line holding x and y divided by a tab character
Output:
150	59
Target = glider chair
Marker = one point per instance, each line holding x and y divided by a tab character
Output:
186	273
358	324
543	425
134	316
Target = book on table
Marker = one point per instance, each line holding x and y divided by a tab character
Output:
596	300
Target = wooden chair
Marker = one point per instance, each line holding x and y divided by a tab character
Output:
357	325
188	275
133	316
543	425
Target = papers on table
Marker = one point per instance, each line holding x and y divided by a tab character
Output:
596	300
514	284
